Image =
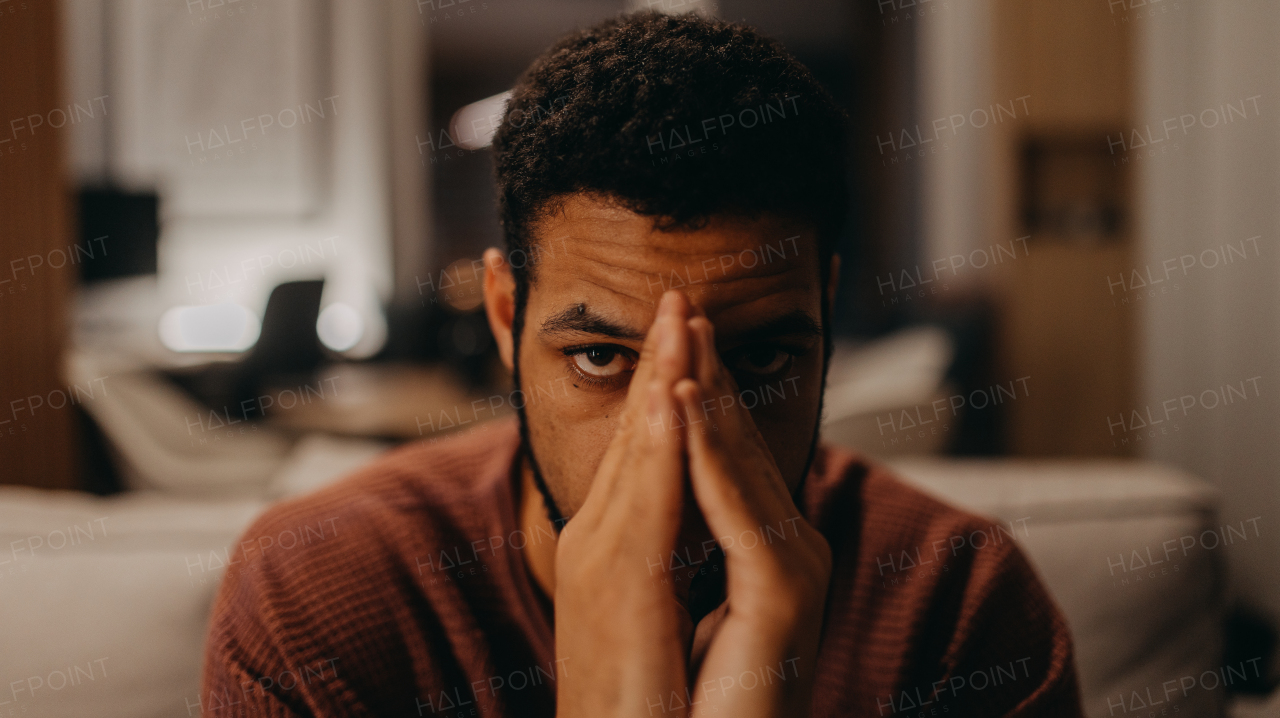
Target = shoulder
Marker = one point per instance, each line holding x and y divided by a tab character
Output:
421	490
864	506
334	574
940	593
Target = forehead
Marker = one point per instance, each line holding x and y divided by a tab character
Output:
594	253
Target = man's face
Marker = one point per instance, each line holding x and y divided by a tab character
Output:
600	271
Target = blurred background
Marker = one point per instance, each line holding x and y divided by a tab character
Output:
240	244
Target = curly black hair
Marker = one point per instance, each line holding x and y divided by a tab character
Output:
680	118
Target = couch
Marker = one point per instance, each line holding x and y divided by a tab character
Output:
106	598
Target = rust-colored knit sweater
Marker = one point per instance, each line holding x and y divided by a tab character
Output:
402	590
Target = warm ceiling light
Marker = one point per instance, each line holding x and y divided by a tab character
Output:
473	126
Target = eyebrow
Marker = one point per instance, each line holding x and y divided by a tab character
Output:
794	323
577	319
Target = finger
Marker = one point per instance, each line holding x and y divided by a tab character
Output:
633	419
722	401
722	389
649	492
731	501
672	357
706	358
666	363
655	455
661	439
705	371
672	309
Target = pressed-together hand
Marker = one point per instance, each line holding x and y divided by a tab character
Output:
628	635
771	621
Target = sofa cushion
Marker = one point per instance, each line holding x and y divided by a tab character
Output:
1131	553
107	599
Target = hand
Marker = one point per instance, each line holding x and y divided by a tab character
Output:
625	636
776	591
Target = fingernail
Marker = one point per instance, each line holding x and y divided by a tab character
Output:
667	304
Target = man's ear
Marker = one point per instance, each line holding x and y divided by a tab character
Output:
833	283
500	303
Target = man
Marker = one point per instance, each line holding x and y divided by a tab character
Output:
661	533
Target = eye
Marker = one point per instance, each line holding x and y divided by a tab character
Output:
761	360
602	361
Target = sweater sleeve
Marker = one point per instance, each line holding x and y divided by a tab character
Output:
230	688
935	612
1009	652
244	672
1006	608
259	659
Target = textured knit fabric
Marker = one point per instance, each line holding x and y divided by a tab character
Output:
403	590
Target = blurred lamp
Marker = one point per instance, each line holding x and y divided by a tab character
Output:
226	327
339	326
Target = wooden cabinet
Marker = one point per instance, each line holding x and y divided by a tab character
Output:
37	442
1059	321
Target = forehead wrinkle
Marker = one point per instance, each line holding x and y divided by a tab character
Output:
647	302
607	267
653	240
715	304
598	220
650	246
696	271
750	290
